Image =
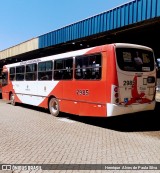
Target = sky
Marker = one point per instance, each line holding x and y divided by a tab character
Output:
22	20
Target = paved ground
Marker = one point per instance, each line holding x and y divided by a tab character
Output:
32	136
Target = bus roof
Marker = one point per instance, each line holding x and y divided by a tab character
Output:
76	53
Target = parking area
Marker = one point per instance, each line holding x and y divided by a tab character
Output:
29	135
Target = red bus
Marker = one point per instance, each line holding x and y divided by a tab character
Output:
101	81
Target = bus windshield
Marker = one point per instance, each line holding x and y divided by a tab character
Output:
131	59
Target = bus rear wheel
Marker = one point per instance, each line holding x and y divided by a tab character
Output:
12	99
54	107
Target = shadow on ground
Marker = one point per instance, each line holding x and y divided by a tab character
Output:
136	122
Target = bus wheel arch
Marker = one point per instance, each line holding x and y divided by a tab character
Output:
53	106
12	99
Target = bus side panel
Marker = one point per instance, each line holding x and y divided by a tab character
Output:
91	97
25	92
55	92
5	95
69	102
64	91
17	98
5	91
84	98
69	106
44	104
91	109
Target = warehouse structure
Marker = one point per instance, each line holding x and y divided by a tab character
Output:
137	22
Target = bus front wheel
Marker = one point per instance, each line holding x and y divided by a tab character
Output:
12	99
54	107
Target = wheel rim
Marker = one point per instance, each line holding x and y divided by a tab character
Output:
12	99
54	107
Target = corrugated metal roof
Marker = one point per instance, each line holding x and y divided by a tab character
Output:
129	13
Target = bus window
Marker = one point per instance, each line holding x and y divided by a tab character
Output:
20	73
4	78
88	67
31	72
45	70
131	59
12	74
63	69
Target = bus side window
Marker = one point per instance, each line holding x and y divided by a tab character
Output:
96	66
31	72
78	74
96	71
78	68
20	73
84	71
67	68
58	65
12	74
63	69
45	70
88	67
57	74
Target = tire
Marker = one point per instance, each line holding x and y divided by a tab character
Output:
54	107
12	100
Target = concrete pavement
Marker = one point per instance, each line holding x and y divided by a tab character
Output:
29	135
